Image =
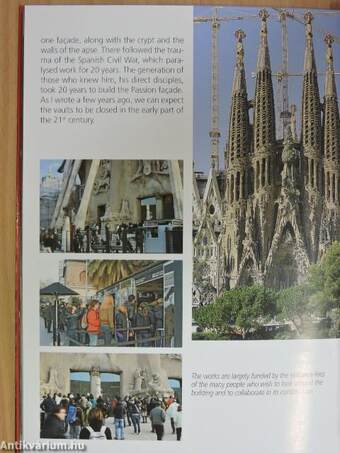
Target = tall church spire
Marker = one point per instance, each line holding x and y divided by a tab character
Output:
331	109
239	118
311	107
238	147
264	112
331	131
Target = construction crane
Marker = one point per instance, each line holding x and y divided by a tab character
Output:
285	114
215	20
283	74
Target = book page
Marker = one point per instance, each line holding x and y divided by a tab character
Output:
180	229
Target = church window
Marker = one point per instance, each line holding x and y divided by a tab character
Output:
312	173
212	209
237	186
232	189
263	173
257	175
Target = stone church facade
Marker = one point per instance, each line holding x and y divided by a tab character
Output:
275	207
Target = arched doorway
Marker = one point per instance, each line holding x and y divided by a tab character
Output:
284	269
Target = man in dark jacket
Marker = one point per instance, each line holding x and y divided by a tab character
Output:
48	404
158	417
119	415
54	426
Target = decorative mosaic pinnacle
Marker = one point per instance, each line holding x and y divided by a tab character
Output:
308	25
263	60
240	35
329	39
308	17
263	14
309	64
330	88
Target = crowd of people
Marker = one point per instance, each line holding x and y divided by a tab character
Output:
127	238
132	323
85	417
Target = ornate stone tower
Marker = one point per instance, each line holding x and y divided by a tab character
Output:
281	206
238	177
330	224
311	142
264	147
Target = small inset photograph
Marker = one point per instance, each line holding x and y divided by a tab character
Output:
119	303
111	206
111	396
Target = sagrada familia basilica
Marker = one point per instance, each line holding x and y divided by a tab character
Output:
275	207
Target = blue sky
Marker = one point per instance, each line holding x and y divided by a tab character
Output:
227	42
52	165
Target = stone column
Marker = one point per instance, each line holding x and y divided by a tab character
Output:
176	187
315	174
337	189
242	191
95	383
266	172
84	204
67	172
70	178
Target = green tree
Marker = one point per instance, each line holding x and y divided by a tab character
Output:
325	276
294	306
239	311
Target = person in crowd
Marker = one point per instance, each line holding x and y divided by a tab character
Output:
135	416
156	316
178	422
151	405
119	416
139	238
48	404
106	315
158	417
92	400
131	305
144	411
122	324
126	244
96	428
93	322
127	405
58	398
72	324
86	406
54	425
74	418
143	324
171	412
49	313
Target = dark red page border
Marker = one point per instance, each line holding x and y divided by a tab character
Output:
18	248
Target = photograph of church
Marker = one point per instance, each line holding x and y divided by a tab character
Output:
266	210
111	206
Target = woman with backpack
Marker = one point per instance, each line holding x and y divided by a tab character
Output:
96	429
93	322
